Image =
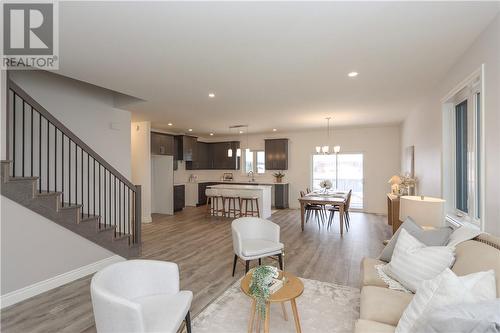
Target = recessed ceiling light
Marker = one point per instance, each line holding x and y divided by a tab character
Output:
274	129
169	124
211	95
211	134
353	74
190	130
241	132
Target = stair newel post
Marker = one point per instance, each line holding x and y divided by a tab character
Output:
31	138
40	153
14	125
7	120
138	214
23	136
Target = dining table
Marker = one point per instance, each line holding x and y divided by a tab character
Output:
332	198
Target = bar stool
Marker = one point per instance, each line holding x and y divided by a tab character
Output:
244	201
231	197
213	202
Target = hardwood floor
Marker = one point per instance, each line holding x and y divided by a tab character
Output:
203	249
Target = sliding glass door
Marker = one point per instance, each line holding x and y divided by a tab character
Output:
345	171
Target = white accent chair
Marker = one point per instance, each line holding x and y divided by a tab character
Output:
140	296
255	238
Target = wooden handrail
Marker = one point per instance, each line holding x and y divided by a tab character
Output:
66	131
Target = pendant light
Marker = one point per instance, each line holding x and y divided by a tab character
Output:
230	150
238	150
247	150
325	149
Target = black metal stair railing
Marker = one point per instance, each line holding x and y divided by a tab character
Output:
40	146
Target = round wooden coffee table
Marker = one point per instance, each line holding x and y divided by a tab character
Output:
292	289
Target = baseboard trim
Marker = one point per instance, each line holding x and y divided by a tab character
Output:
22	294
147	219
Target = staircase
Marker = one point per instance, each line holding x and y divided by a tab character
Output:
55	174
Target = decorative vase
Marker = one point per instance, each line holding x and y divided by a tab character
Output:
279	179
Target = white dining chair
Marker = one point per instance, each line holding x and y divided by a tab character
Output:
255	238
140	296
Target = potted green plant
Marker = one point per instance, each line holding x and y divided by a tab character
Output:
262	277
279	176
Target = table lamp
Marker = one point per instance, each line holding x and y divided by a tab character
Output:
425	211
395	181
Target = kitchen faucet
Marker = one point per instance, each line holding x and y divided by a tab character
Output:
250	173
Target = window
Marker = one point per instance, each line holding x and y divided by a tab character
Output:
345	171
461	156
261	162
462	152
255	161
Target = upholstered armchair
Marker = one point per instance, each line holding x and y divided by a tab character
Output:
255	238
140	296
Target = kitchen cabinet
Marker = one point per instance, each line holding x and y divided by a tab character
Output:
220	160
276	153
281	196
178	148
213	156
179	197
189	147
202	197
202	156
162	144
199	159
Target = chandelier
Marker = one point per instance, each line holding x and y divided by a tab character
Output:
325	149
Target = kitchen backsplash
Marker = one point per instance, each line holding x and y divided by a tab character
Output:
181	175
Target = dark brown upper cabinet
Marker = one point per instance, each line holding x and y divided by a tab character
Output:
189	147
220	159
178	148
276	154
213	156
162	144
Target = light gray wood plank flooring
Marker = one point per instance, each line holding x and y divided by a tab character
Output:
202	247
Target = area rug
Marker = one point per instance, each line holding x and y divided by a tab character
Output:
323	307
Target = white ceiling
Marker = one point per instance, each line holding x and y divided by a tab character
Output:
281	65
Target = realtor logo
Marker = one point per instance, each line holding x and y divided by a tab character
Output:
30	36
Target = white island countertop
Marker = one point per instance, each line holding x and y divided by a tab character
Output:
240	187
261	192
235	182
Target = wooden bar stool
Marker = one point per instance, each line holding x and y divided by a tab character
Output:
213	202
244	201
231	197
231	206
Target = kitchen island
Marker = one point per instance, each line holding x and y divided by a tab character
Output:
263	192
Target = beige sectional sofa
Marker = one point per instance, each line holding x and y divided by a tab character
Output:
381	308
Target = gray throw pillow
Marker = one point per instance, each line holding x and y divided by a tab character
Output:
430	237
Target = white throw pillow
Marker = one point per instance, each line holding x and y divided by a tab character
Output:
413	261
444	290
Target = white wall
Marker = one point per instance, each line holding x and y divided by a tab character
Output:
423	127
141	164
34	250
380	146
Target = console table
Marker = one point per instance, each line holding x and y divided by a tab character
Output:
393	211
